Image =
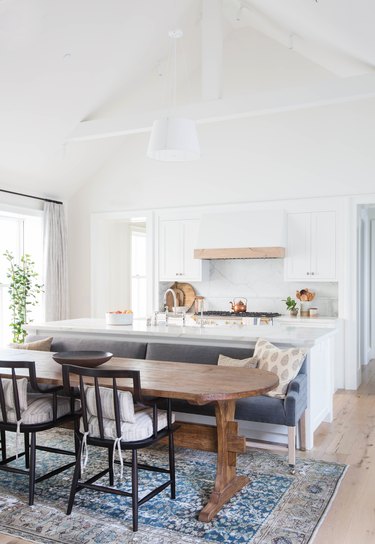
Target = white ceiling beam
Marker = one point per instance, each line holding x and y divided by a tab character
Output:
249	105
212	49
328	57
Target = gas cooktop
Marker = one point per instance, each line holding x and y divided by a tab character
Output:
215	313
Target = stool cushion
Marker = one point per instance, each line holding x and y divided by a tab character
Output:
40	409
141	429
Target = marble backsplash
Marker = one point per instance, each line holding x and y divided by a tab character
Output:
262	282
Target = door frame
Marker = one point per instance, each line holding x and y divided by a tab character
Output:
351	299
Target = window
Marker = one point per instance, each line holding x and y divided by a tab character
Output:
19	234
138	270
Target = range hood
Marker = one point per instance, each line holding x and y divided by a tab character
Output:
256	234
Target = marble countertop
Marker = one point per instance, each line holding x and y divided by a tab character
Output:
319	321
281	333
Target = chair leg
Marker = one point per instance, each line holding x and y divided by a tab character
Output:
302	432
27	450
110	465
3	445
32	469
292	449
172	466
76	476
135	489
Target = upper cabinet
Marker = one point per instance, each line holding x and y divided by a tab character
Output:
311	246
177	241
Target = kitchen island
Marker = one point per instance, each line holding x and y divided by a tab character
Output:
226	335
319	343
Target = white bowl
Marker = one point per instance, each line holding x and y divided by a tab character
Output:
118	319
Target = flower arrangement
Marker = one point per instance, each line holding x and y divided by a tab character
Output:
305	295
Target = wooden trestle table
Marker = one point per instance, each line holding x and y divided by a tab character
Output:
196	383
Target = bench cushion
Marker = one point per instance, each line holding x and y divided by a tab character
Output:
119	348
185	353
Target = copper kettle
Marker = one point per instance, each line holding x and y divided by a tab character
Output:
238	305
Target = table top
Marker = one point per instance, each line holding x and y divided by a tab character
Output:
196	383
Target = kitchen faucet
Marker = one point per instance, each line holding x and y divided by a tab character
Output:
174	300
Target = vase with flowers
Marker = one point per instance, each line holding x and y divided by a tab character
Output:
305	296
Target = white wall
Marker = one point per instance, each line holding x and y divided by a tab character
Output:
316	152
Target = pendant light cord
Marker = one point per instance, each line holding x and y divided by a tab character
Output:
174	74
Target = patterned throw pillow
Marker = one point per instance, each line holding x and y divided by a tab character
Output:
38	345
286	363
250	362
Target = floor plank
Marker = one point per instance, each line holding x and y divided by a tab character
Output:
349	439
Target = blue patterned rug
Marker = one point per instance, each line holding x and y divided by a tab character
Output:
275	508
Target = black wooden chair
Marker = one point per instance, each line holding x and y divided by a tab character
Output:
27	408
111	420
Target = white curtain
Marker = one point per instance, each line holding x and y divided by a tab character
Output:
55	262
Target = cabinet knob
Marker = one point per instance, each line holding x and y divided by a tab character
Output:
308	273
312	273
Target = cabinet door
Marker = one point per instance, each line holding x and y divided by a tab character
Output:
171	250
192	267
323	245
298	260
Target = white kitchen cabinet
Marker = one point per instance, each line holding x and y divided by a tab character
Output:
177	241
311	246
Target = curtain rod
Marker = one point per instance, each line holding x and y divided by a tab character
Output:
31	196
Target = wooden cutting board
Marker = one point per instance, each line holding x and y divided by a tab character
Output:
185	295
179	296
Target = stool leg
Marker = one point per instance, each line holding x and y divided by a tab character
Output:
3	445
27	450
32	469
172	466
135	489
76	476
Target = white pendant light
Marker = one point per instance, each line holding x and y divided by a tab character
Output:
174	138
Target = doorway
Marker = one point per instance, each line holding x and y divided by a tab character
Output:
121	264
366	283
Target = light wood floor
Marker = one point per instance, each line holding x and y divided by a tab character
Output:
349	439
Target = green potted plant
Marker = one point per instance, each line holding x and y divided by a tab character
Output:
291	306
23	290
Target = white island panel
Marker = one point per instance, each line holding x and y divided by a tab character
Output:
319	343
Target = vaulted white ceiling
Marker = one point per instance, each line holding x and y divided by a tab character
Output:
63	62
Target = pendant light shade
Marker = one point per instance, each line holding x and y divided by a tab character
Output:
173	139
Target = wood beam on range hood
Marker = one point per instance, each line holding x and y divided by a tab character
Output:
240	253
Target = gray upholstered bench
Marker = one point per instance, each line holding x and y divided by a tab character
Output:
262	409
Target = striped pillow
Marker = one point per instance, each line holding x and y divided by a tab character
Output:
106	395
9	393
